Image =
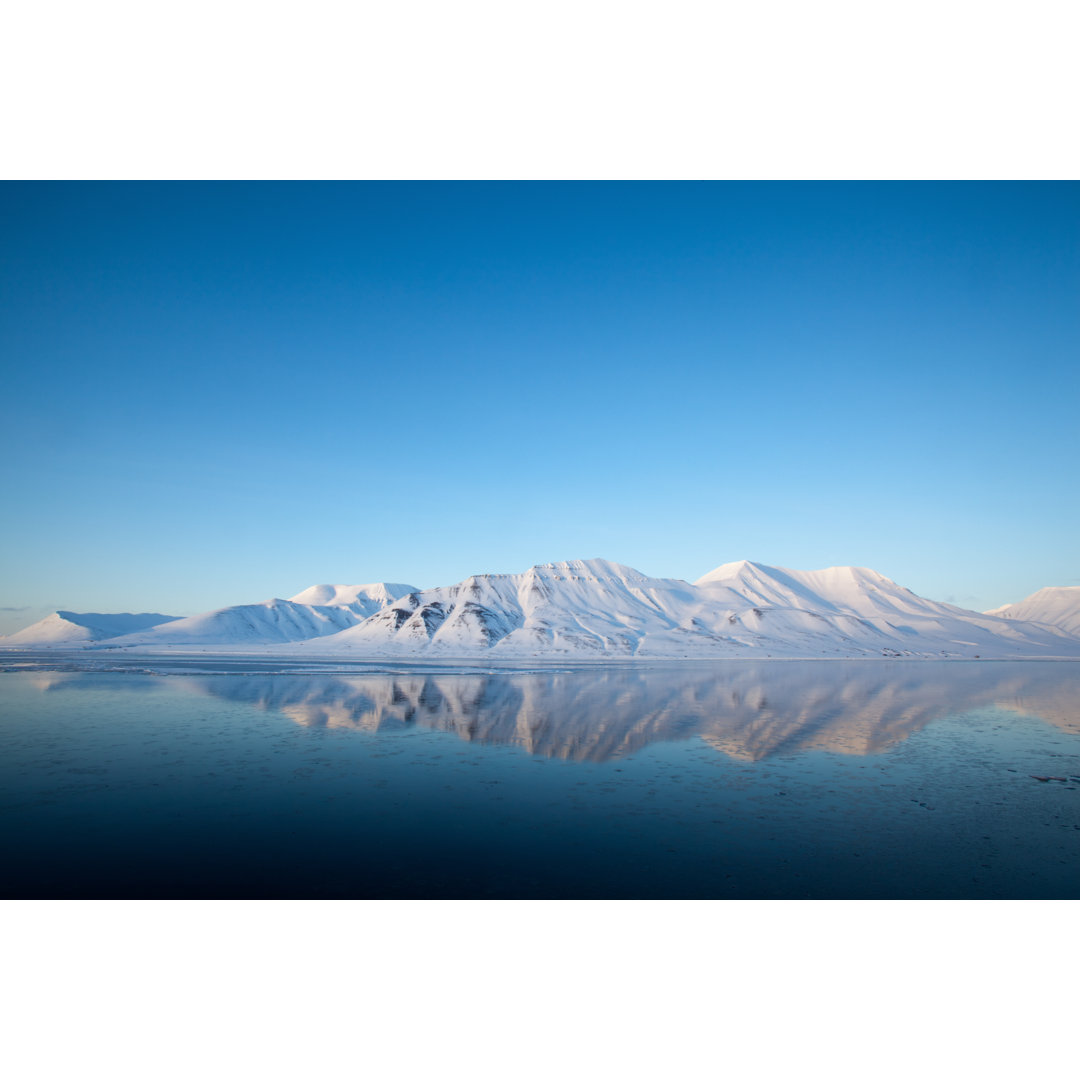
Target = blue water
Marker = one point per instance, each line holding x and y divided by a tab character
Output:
763	781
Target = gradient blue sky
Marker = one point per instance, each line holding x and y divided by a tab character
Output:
218	393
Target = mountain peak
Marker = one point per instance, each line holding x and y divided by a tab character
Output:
730	571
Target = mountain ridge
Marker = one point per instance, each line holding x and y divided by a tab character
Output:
599	608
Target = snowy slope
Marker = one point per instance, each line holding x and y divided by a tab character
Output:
1057	606
73	628
854	590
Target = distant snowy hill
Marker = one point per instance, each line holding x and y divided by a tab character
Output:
594	608
276	621
365	599
273	621
1057	606
265	623
71	627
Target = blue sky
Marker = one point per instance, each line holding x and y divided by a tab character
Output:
218	393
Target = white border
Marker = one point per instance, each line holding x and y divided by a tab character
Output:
503	90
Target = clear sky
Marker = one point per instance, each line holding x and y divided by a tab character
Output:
219	393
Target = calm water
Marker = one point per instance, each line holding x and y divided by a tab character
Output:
767	780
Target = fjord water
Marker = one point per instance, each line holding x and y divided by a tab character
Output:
780	779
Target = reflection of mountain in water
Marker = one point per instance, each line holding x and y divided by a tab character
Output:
1057	705
747	711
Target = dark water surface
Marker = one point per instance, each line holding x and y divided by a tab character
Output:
726	779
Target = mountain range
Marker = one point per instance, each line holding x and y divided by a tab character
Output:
594	608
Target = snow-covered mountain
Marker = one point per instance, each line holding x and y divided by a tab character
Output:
595	608
74	628
585	607
1056	606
